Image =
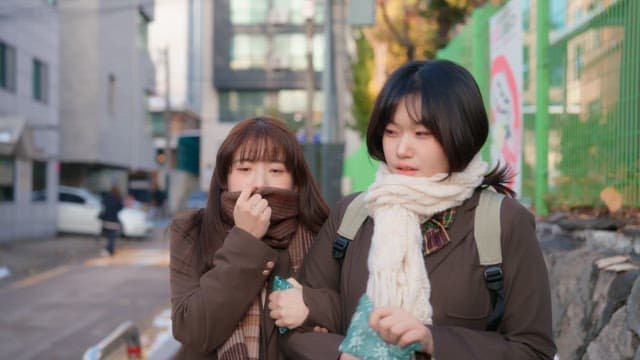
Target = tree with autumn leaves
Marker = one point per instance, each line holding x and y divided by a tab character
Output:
404	30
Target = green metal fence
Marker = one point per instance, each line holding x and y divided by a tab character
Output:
590	97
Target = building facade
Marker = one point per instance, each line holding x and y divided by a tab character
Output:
29	118
170	43
253	62
106	74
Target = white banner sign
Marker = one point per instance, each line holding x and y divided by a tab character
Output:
506	89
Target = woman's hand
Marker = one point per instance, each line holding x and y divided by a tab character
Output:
252	213
287	307
398	327
344	356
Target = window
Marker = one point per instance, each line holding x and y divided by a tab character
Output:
288	104
247	12
293	11
111	94
40	81
70	198
295	101
237	105
143	30
293	47
7	67
248	51
526	14
557	59
39	181
7	178
578	62
557	11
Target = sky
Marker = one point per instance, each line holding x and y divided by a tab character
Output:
169	30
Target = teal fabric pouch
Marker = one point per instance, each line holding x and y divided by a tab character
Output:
364	343
281	284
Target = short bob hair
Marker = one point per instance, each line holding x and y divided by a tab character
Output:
451	108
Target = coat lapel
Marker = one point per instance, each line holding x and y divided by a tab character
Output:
462	225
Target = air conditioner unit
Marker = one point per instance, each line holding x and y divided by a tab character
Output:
278	16
279	62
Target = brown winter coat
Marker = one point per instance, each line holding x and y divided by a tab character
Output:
206	308
460	300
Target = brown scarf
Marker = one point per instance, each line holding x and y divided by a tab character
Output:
285	232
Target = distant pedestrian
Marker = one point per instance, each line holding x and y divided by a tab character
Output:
157	198
111	227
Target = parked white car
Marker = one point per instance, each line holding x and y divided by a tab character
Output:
78	211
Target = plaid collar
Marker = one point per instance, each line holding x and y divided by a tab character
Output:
434	231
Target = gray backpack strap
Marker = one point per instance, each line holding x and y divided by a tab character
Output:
352	219
486	230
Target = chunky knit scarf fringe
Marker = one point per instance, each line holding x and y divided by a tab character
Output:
285	232
398	205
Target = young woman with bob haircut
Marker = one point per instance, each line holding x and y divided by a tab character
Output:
263	211
415	256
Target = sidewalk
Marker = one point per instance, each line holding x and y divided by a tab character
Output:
26	263
23	258
27	257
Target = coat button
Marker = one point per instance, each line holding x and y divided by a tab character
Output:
270	264
265	272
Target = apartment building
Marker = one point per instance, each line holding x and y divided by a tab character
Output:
253	61
29	118
106	74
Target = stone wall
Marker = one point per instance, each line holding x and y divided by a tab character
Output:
595	291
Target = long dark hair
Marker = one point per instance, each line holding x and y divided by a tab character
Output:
255	139
451	107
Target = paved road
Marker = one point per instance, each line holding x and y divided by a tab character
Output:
59	313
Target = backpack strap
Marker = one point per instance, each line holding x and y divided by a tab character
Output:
352	219
487	235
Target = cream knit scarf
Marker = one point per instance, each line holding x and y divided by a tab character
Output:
398	205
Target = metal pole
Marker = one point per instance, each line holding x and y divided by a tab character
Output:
311	83
167	119
126	333
542	105
480	62
330	117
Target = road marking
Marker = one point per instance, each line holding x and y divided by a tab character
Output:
32	280
135	257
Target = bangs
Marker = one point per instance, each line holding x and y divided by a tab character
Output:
412	103
261	147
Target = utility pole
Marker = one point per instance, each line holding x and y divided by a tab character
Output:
167	118
542	106
308	11
330	121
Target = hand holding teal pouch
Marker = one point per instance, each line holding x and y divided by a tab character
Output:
281	284
364	343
